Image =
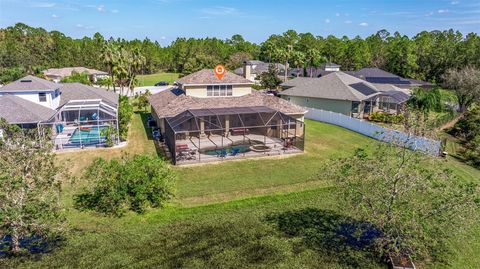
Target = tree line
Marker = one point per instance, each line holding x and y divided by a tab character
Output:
425	56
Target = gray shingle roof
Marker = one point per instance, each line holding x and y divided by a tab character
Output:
30	83
67	71
78	91
337	86
207	76
168	103
18	110
298	81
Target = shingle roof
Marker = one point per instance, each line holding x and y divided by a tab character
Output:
78	91
168	103
207	76
30	83
337	86
377	75
298	81
18	110
67	71
259	67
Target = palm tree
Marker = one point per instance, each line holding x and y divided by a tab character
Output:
136	62
298	59
110	58
314	59
284	55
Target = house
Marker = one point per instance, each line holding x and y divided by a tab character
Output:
211	119
379	76
252	70
76	113
314	72
342	93
57	74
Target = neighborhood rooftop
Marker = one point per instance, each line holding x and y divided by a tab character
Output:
337	86
207	76
67	71
30	83
17	110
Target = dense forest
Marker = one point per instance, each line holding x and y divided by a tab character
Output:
25	49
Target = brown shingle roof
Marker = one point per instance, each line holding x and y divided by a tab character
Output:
169	104
207	76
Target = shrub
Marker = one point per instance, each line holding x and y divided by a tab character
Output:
127	184
125	113
83	78
385	117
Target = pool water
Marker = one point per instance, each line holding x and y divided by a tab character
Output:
92	136
242	148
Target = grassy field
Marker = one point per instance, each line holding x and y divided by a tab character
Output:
150	80
231	215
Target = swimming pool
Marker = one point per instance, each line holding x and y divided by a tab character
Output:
239	145
89	135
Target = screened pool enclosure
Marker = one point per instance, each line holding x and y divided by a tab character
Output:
202	135
84	123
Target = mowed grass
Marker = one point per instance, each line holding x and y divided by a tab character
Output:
152	79
225	215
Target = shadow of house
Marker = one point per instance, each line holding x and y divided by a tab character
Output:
344	239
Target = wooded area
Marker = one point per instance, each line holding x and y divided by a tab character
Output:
425	56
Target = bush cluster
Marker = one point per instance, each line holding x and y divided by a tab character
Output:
386	117
127	184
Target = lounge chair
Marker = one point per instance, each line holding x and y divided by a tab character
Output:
235	151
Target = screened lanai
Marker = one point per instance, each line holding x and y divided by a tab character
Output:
202	135
82	123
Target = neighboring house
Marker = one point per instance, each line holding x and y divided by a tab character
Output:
379	76
57	74
77	113
252	70
342	93
211	119
314	72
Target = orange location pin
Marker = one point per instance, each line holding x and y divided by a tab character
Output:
219	71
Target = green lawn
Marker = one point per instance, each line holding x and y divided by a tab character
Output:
150	80
230	215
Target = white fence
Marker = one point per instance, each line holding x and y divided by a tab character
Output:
423	144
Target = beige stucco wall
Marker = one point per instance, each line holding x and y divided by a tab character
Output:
201	91
339	106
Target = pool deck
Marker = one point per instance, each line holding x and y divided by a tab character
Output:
191	154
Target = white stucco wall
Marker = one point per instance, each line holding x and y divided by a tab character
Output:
52	102
201	91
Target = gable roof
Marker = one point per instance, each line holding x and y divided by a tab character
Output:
298	81
170	103
207	76
67	71
78	91
17	110
30	83
336	86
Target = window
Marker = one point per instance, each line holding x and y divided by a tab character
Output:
219	90
42	97
355	106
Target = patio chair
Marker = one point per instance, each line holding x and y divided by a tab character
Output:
235	151
223	153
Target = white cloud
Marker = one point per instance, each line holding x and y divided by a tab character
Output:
348	22
79	25
163	38
101	8
441	11
54	16
455	2
429	13
115	11
43	4
337	14
327	20
219	11
363	24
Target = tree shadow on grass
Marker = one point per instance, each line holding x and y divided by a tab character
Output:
344	239
34	245
144	116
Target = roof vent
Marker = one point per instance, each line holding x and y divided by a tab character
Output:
26	80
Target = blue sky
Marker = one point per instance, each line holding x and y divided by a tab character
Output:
165	20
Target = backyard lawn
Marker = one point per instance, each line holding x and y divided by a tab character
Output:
231	215
150	80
